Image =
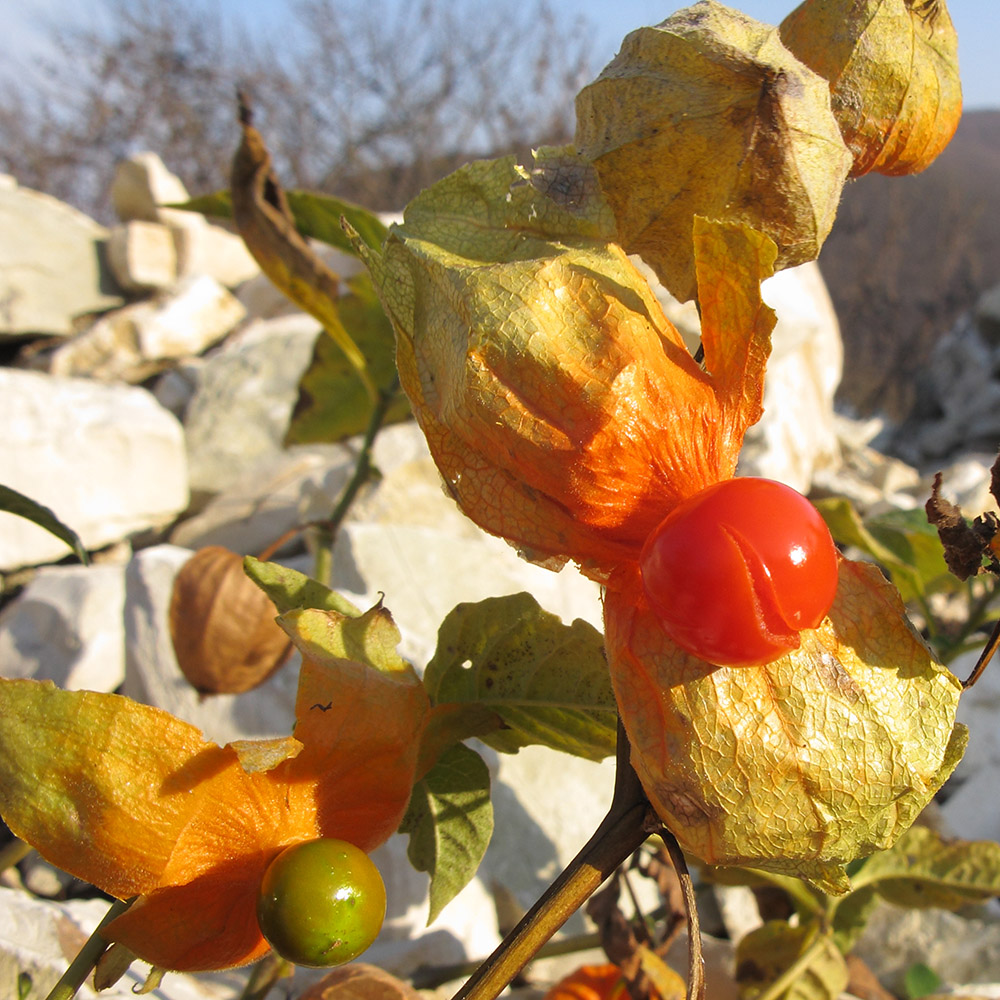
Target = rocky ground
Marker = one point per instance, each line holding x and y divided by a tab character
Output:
150	374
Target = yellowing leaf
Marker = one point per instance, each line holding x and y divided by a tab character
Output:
332	402
562	408
893	72
766	954
265	221
289	589
925	870
370	639
798	766
709	114
546	680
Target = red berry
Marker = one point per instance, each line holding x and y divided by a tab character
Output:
738	570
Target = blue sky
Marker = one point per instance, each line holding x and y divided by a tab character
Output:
977	23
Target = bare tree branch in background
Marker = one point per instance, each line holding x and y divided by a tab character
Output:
368	100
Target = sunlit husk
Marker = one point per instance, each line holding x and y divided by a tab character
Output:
562	408
709	114
893	72
798	766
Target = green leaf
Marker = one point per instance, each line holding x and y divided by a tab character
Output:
450	821
920	981
316	216
370	638
289	589
18	504
900	541
923	870
915	541
808	959
548	681
319	215
851	915
333	403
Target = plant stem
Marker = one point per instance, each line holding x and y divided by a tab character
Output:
10	854
81	966
696	963
431	977
780	986
326	531
627	825
265	974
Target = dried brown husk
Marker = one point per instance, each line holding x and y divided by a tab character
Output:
709	114
892	66
222	625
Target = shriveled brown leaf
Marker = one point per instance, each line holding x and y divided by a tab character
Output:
709	114
266	223
359	981
222	625
965	545
893	72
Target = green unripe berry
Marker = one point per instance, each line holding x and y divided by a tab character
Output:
321	903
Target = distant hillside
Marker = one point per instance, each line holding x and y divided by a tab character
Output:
906	257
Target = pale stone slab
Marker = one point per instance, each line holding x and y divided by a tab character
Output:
240	411
52	268
142	183
142	256
211	250
108	459
66	626
127	343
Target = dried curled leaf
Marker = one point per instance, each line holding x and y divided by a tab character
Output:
222	625
845	739
893	72
709	114
562	408
359	981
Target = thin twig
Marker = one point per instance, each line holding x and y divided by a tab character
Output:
696	962
81	966
984	659
14	852
621	832
326	531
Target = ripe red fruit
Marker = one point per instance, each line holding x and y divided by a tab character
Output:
321	902
736	571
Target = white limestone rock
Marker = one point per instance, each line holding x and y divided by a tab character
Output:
39	939
107	459
66	626
958	949
211	250
141	185
142	256
128	343
52	267
240	411
152	675
797	436
278	494
971	808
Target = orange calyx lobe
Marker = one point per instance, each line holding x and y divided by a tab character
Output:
735	572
